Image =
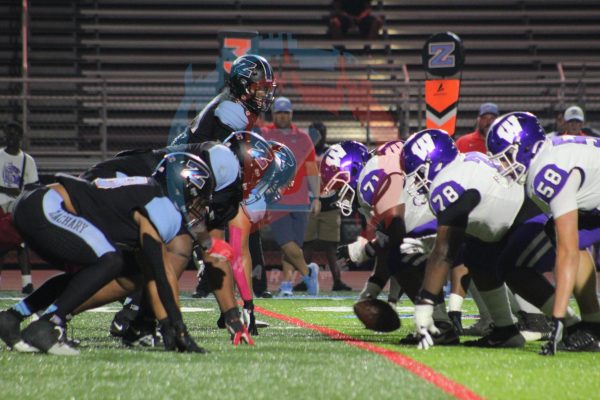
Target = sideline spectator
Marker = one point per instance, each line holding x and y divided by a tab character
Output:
289	216
18	172
323	230
475	141
349	14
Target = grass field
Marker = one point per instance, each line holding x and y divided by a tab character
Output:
289	362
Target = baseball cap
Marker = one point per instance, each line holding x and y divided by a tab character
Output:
574	113
488	108
282	104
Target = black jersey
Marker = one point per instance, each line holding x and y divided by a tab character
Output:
216	121
110	203
225	201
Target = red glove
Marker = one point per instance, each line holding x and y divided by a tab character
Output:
221	249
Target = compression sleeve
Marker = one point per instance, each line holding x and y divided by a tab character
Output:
457	214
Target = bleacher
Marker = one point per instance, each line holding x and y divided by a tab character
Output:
118	69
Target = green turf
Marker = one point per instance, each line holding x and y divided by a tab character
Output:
286	363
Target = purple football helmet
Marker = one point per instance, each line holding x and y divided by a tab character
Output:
424	155
513	140
340	168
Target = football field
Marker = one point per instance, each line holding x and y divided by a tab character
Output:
314	348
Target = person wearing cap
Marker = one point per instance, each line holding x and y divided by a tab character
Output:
289	216
573	121
475	141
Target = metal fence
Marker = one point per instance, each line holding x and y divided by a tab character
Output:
71	123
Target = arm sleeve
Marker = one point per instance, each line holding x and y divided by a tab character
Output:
566	201
457	214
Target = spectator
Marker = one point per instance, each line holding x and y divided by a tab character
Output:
289	216
324	229
349	14
18	172
573	122
475	141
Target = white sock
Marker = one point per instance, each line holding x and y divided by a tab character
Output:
484	314
455	302
593	317
527	306
570	317
25	280
498	306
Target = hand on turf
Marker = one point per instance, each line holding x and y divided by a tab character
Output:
550	348
183	340
248	318
237	328
425	325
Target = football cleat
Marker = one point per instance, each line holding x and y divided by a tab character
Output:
340	286
482	327
533	326
580	341
499	337
48	338
142	333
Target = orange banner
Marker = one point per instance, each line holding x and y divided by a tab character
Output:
441	97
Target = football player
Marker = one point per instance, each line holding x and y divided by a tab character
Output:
474	205
250	91
560	174
83	223
405	228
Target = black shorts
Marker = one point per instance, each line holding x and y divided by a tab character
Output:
55	234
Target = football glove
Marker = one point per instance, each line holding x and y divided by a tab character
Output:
425	325
248	317
237	329
422	245
551	346
357	252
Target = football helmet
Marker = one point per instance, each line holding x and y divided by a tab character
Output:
278	177
254	154
340	167
513	140
251	81
423	156
187	181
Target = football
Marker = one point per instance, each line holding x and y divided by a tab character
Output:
377	315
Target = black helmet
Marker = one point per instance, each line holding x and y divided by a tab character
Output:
187	181
251	82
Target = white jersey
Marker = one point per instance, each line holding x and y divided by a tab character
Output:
499	205
11	168
550	169
380	187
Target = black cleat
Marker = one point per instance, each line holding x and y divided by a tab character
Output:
10	328
500	337
340	286
121	321
49	338
580	341
27	289
203	289
265	295
591	327
142	333
534	326
446	337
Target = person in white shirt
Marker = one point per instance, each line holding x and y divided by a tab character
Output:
17	172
